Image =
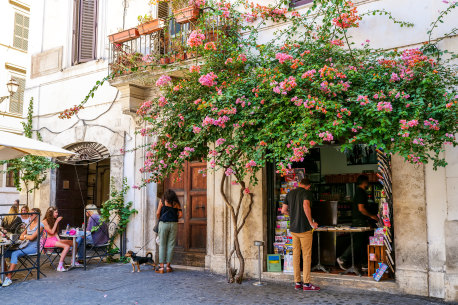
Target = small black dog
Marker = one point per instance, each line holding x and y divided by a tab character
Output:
136	260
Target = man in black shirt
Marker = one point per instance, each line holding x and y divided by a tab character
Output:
298	202
360	218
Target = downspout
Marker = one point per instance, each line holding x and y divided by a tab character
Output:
124	235
428	267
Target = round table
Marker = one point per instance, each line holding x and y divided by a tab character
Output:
74	237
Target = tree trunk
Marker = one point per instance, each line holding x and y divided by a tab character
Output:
234	275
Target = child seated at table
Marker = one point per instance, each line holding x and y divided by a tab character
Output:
32	247
51	224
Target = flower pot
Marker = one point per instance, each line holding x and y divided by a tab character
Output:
187	14
123	36
150	26
164	61
181	56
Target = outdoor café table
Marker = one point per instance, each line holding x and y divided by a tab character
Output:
72	265
2	253
350	230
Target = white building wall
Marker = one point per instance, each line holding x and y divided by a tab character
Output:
13	62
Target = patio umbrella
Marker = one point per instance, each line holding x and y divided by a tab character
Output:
14	146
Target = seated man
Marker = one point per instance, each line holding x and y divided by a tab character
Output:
99	236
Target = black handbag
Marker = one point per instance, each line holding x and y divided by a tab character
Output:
156	227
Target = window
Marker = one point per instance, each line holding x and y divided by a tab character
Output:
21	32
295	3
10	178
17	99
84	31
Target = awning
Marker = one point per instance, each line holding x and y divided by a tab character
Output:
15	146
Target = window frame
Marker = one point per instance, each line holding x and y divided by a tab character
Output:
297	3
9	178
18	96
77	28
22	36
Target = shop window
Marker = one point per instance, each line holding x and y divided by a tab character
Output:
21	31
17	99
84	30
295	3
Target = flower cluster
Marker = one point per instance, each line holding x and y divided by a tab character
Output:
348	19
164	80
196	38
208	80
68	113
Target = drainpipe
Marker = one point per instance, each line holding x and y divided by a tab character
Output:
124	234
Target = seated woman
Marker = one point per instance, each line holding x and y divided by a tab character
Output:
25	218
51	224
13	222
99	236
32	248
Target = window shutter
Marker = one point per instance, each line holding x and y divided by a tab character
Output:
17	99
87	32
21	32
163	10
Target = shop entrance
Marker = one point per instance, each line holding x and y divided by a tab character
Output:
191	188
333	175
82	179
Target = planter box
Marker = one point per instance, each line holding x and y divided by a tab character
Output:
123	36
150	26
164	61
187	14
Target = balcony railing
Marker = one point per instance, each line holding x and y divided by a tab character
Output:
164	46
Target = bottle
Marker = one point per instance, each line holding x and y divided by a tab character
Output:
68	229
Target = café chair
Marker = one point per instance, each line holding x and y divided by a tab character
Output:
51	254
29	262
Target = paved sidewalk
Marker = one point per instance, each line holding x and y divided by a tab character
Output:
115	284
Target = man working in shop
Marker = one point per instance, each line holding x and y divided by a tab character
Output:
298	202
360	218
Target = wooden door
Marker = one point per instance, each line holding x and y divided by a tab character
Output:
71	193
191	189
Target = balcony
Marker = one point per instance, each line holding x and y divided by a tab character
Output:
163	43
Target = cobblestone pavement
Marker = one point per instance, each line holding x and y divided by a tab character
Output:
115	284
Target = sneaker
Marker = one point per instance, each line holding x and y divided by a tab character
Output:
61	269
341	263
298	286
7	282
77	264
311	287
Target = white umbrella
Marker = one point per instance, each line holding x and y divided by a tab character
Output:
14	146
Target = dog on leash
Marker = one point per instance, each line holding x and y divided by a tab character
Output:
136	260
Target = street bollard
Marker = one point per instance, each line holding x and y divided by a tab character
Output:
259	243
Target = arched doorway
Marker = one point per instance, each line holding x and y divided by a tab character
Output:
82	179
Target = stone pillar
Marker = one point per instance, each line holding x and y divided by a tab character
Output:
410	228
220	229
451	226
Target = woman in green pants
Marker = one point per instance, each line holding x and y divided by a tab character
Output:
168	213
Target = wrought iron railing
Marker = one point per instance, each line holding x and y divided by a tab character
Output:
164	46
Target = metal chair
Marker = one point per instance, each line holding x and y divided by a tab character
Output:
50	253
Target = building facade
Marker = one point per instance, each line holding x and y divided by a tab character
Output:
69	56
13	65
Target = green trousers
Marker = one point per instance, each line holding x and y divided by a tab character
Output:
167	238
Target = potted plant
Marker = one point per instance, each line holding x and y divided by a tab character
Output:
186	11
123	36
149	25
